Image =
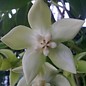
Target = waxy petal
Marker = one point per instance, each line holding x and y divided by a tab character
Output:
32	62
18	38
66	29
60	80
22	82
62	57
39	15
49	72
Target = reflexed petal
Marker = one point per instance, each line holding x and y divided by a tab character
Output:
49	72
32	62
60	80
18	70
39	15
18	38
22	82
62	57
66	29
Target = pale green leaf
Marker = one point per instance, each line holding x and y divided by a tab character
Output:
81	66
14	77
5	65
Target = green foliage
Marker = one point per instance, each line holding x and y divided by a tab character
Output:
81	66
78	8
14	77
9	60
12	4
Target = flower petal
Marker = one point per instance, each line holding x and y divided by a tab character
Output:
22	82
62	57
66	29
32	62
39	15
60	80
49	72
18	70
18	38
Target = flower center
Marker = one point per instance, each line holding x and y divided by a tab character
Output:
45	42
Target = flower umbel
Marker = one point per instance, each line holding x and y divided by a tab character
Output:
43	40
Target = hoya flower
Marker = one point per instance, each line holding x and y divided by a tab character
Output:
47	76
42	40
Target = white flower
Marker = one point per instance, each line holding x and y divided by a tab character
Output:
48	76
43	40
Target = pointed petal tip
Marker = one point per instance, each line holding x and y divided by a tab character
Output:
66	29
39	15
18	37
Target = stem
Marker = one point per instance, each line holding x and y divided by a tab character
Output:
70	77
72	80
77	80
83	79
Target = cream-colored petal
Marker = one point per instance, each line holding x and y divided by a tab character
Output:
49	72
46	51
18	38
39	15
32	62
62	57
66	29
22	82
60	80
53	45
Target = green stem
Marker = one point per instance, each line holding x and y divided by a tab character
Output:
83	79
70	77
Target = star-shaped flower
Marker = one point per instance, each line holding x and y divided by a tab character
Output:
44	39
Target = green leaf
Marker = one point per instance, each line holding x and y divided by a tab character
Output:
7	23
0	60
11	58
8	54
81	66
12	4
78	7
21	15
5	65
2	45
14	77
80	56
